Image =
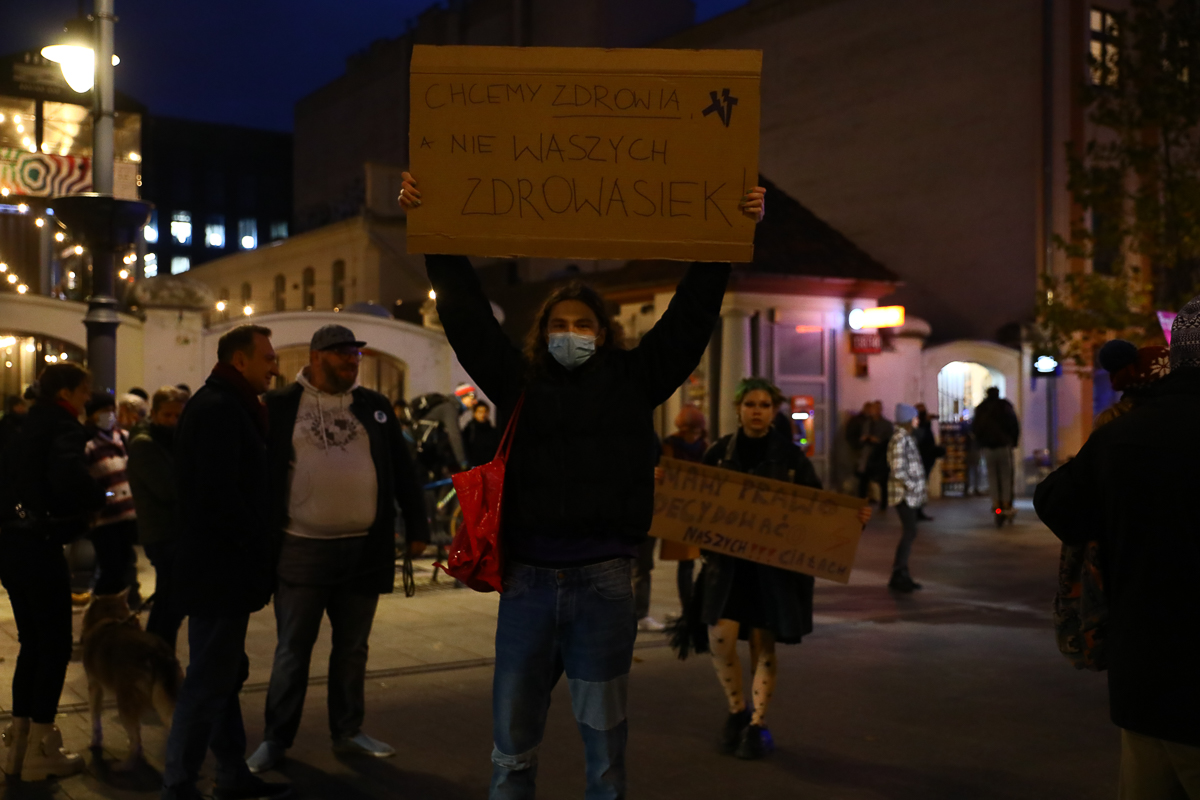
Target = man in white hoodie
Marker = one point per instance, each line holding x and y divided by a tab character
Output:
339	467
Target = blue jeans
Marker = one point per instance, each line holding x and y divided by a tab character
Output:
208	713
579	620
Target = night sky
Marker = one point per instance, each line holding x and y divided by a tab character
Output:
244	62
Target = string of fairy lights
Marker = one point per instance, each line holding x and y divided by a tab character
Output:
11	280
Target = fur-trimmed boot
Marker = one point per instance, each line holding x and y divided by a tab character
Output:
15	736
45	756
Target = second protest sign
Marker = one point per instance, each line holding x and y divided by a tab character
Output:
767	521
583	153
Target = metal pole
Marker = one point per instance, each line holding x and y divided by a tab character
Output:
1051	383
102	320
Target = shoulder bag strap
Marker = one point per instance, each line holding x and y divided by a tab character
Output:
506	440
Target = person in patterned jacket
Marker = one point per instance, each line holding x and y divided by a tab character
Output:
114	530
906	492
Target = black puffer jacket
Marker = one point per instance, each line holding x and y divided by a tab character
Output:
44	469
582	463
1132	487
786	597
225	566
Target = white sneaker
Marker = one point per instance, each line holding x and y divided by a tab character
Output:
266	757
361	744
650	624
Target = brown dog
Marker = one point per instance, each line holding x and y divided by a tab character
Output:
136	666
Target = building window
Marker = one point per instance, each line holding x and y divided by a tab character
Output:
279	230
247	305
339	283
280	293
150	232
66	130
181	227
180	264
18	123
1105	47
248	233
308	296
150	265
1106	245
223	303
214	231
800	350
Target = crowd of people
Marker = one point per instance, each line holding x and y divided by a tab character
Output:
241	496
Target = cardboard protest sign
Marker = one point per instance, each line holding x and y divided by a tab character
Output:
772	522
564	152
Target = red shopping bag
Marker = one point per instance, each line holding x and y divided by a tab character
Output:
475	556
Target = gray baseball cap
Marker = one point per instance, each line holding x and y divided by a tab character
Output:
331	336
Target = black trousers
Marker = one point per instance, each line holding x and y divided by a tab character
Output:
165	617
115	556
35	574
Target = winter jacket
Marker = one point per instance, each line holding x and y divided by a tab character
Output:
582	461
155	485
995	423
394	472
108	458
224	567
481	439
45	471
1132	488
785	596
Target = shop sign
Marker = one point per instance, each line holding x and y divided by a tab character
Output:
866	343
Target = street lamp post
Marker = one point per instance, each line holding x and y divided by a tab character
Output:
104	222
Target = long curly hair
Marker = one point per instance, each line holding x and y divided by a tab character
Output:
537	339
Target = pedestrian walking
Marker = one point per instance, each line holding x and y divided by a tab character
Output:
906	492
743	600
339	467
154	481
46	496
997	430
689	442
1131	489
225	569
480	437
579	496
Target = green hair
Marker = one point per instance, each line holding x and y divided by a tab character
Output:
748	385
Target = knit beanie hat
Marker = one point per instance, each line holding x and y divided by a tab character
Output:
1130	367
1185	337
905	413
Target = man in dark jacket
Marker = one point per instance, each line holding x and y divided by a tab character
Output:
996	428
225	570
578	496
1132	489
339	466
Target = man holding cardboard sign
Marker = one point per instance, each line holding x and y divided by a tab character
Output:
584	153
578	494
765	533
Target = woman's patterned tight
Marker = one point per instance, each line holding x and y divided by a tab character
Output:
722	643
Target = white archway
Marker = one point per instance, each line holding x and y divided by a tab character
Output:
429	361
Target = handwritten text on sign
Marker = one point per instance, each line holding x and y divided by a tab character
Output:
772	522
583	153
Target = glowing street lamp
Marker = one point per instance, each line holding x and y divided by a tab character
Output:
75	55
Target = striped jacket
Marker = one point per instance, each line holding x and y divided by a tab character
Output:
106	457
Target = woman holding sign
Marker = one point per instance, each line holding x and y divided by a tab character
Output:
578	496
745	600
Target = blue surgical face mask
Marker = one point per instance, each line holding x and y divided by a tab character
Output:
572	349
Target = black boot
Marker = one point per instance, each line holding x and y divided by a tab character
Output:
902	582
756	743
731	734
